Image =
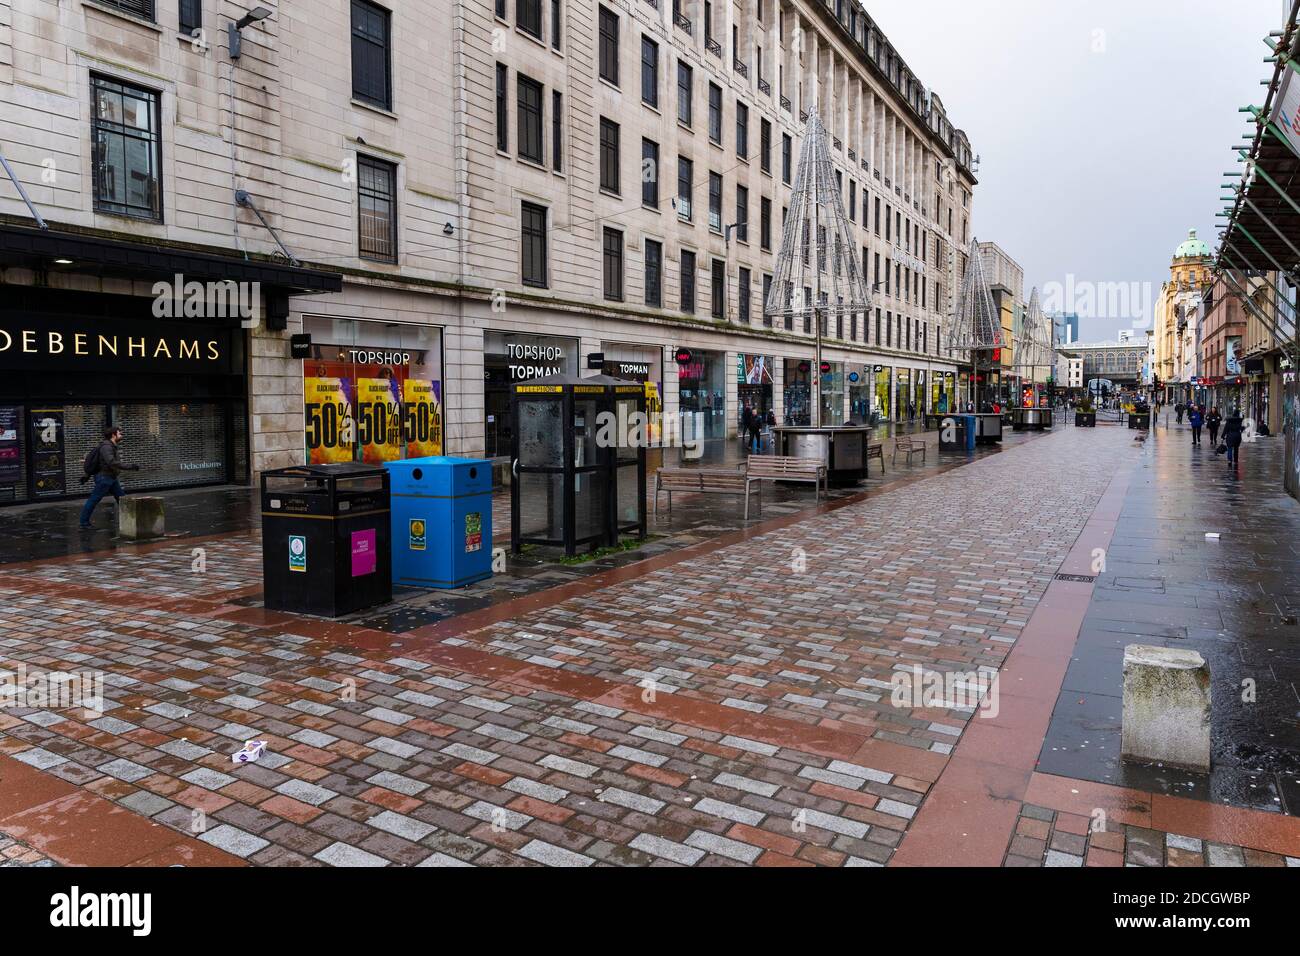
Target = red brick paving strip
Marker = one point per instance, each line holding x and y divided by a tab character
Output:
76	828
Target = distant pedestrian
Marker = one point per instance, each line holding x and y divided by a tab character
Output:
1195	419
105	465
1178	410
755	430
1232	430
1213	421
746	420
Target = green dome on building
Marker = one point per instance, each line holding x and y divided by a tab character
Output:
1192	248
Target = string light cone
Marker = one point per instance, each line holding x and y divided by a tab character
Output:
976	324
817	272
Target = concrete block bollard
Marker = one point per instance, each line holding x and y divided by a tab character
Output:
140	517
1166	707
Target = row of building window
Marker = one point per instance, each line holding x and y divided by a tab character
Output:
189	14
126	163
891	329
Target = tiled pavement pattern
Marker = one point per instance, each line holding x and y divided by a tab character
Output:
768	741
229	566
809	622
426	768
16	853
1046	837
1235	600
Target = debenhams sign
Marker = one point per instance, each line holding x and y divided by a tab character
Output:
52	342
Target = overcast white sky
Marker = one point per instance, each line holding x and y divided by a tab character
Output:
1103	126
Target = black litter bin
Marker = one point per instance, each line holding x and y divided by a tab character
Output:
326	539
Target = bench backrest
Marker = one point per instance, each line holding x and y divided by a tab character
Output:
700	479
781	465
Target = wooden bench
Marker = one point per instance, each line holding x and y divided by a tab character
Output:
909	446
787	468
707	481
876	451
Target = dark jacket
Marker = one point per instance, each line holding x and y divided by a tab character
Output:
1213	420
110	460
1232	431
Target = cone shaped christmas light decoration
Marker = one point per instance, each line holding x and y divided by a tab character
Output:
817	271
976	324
1035	348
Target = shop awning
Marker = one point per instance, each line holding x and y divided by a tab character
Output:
55	251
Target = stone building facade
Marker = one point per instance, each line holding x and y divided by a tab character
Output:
463	195
1178	315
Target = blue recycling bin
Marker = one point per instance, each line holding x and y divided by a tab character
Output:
971	426
964	431
442	521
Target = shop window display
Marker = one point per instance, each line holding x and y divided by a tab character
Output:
372	392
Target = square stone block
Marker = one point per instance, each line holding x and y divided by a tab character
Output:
1166	707
140	517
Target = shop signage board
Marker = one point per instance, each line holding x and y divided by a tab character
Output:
634	371
330	430
11	465
596	361
423	417
300	345
1286	111
379	420
370	404
48	479
40	341
1232	355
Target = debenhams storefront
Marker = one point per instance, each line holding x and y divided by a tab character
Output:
174	376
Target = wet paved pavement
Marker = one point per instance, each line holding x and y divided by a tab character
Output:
726	702
1235	600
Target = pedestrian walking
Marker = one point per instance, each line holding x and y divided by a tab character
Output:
755	428
1213	421
1195	419
746	420
1178	410
104	464
1232	430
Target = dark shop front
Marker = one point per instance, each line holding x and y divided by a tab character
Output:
73	363
169	365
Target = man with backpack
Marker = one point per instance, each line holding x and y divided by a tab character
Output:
104	464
